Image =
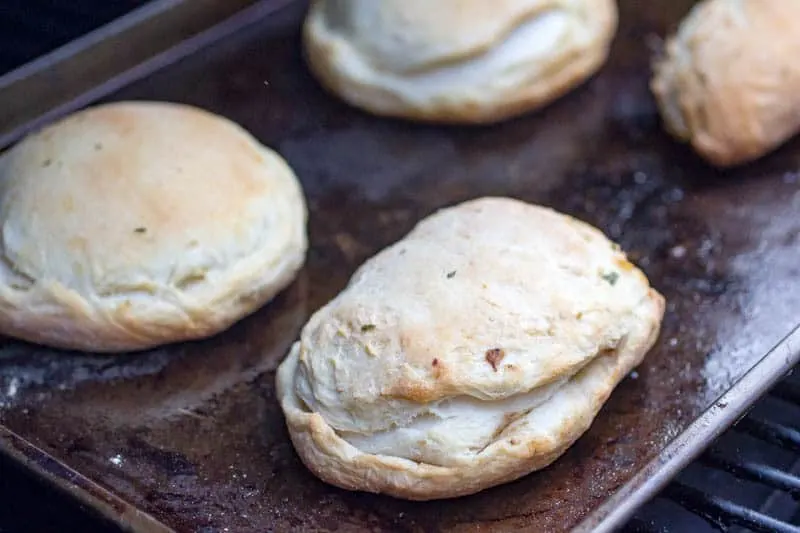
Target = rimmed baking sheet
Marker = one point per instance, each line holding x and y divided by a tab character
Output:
192	436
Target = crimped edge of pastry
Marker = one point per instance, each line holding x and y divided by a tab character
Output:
526	445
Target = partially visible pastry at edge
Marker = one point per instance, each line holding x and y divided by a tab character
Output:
729	80
470	353
135	224
457	61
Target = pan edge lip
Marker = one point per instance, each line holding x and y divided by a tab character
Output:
77	486
723	413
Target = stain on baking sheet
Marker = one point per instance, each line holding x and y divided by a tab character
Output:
193	433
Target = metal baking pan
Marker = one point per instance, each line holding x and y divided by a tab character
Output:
190	437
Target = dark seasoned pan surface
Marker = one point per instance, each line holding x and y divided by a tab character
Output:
193	433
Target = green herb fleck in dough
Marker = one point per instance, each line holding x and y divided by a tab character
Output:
367	327
140	230
610	277
450	275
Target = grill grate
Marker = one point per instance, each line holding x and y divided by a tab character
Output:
748	481
723	513
755	471
772	432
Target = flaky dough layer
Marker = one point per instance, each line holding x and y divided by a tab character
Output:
729	80
472	352
134	224
459	61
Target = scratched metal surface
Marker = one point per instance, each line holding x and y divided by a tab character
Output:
193	435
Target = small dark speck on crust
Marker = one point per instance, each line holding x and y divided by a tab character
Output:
494	356
367	327
140	230
47	162
451	275
610	277
435	362
513	442
98	146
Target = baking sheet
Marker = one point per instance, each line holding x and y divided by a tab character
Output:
193	435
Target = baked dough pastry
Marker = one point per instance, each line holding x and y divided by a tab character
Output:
473	351
459	61
729	80
130	225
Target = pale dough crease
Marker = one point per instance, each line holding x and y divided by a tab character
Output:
460	61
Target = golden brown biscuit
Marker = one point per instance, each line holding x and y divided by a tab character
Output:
729	81
129	225
472	352
461	61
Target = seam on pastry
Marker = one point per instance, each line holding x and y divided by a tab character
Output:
16	278
557	64
498	433
441	67
478	52
458	56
